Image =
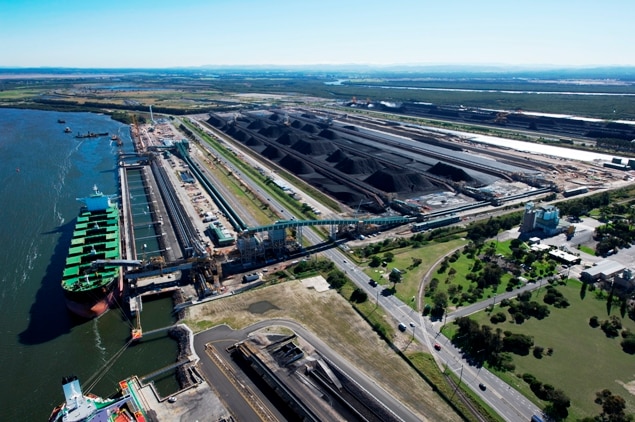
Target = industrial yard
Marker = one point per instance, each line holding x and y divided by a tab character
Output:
384	175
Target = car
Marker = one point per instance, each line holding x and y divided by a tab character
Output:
412	324
402	326
482	386
437	346
372	283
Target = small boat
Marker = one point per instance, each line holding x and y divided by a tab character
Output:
91	135
67	129
61	121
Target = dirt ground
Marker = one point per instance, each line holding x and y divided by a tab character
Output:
331	318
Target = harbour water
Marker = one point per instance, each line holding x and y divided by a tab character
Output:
42	172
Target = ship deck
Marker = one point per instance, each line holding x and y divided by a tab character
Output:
96	236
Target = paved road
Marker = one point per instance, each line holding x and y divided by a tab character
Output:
506	401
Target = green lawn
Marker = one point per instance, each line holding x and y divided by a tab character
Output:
411	277
584	359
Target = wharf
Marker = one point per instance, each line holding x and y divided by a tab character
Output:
196	403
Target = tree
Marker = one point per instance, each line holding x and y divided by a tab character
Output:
613	407
416	262
440	302
389	256
395	276
375	261
628	344
359	296
594	321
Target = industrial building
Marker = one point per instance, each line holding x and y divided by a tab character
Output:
604	270
545	219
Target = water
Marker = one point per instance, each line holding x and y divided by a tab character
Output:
42	171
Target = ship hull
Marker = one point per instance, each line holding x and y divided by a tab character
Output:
93	303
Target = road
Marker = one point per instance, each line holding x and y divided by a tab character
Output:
506	401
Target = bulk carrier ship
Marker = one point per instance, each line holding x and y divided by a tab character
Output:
90	290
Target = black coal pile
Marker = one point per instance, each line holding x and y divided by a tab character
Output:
272	153
273	132
328	134
237	134
216	122
309	128
295	165
398	181
314	146
337	156
451	172
288	138
358	165
256	124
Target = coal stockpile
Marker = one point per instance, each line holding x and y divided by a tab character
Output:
295	165
288	139
337	156
347	162
253	142
314	146
256	125
309	128
453	173
328	134
273	132
216	121
393	180
357	165
237	134
272	153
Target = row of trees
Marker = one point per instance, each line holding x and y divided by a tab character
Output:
558	408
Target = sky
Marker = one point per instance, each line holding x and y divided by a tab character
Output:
162	34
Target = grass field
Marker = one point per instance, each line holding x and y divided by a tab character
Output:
584	360
412	276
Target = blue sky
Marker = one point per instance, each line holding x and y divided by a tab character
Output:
158	33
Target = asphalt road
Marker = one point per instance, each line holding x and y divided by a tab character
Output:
506	401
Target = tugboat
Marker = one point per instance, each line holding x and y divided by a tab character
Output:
79	407
116	139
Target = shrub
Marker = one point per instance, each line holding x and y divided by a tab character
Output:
498	318
594	321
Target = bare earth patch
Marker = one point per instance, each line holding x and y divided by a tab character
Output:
331	318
